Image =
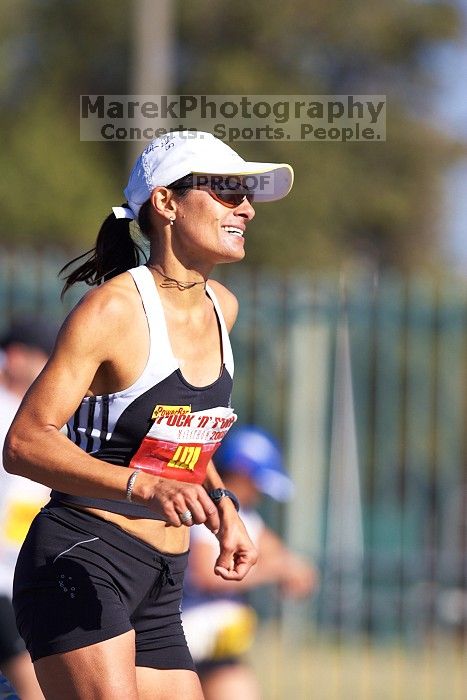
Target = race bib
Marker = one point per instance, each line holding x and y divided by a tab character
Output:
180	442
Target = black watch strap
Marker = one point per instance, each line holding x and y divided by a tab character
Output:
218	494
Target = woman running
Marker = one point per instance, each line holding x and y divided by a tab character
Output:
141	376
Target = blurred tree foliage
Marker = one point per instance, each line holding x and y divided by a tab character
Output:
378	201
56	189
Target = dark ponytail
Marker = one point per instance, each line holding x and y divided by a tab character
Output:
115	252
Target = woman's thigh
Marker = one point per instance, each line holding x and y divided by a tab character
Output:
107	670
97	672
155	684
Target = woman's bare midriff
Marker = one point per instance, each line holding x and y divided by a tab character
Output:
157	533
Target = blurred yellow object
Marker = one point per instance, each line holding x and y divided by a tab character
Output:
219	629
237	635
18	518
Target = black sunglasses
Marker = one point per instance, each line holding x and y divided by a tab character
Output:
227	190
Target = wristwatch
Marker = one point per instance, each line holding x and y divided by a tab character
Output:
218	494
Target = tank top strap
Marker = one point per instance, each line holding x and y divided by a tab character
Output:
227	355
160	348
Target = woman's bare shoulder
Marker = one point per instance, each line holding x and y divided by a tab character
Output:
228	302
104	311
113	298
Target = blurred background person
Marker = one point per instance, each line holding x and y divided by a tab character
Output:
24	350
219	622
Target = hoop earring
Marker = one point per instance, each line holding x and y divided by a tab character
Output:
172	221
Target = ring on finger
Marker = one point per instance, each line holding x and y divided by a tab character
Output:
186	517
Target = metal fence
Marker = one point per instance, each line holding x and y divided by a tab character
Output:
363	378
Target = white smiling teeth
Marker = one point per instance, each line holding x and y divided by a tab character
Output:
235	231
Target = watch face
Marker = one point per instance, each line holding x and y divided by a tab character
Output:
217	495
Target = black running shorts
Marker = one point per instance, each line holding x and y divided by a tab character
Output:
80	580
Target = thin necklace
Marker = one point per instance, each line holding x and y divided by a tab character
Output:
171	282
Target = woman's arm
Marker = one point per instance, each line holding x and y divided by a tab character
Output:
94	343
35	447
237	551
228	303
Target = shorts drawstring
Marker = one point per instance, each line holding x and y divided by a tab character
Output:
165	576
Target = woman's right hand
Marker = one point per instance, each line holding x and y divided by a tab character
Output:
174	498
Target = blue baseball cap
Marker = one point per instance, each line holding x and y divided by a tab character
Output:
253	451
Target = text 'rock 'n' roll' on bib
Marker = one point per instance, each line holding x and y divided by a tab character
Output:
161	424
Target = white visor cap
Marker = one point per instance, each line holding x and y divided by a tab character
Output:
181	153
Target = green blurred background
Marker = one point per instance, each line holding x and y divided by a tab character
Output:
351	341
372	201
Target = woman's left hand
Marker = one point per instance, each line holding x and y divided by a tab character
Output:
237	552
